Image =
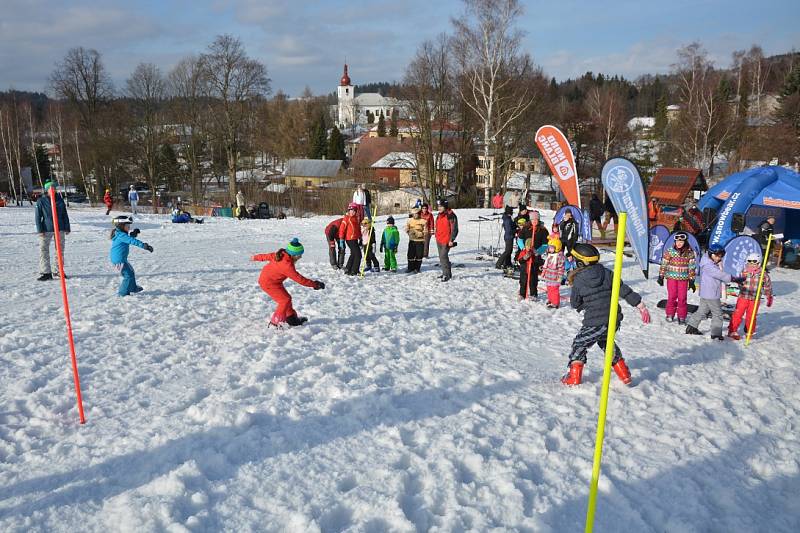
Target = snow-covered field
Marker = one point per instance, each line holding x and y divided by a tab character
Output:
404	404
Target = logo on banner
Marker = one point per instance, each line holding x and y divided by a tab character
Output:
621	180
656	244
564	170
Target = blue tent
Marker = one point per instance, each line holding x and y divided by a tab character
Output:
757	193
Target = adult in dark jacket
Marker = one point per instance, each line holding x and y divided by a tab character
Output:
509	229
591	294
610	214
336	248
446	233
765	229
596	214
46	230
568	229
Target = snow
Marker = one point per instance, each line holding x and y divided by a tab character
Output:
403	405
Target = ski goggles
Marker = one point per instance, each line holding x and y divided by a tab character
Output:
681	237
754	261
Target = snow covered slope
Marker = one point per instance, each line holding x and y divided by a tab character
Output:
404	404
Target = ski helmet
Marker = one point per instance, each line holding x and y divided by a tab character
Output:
120	221
442	202
585	254
555	242
753	257
716	249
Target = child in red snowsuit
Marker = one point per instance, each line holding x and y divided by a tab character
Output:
746	305
281	266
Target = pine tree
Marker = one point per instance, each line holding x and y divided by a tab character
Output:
370	117
336	145
381	125
319	139
168	167
40	164
393	123
661	118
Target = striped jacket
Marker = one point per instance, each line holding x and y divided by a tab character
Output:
678	266
553	268
748	288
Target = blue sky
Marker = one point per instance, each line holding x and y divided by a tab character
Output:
304	42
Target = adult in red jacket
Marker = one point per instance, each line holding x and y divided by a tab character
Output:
108	200
426	215
280	265
446	232
335	246
350	233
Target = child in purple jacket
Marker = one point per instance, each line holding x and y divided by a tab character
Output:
712	278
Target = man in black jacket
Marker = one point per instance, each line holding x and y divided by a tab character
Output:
46	230
509	229
596	215
591	294
765	229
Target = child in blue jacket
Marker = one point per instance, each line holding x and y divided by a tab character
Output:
121	241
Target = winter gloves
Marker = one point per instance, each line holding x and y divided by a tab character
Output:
692	285
318	285
148	247
739	279
660	281
135	232
644	312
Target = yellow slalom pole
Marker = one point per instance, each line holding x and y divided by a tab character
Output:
758	292
612	330
369	239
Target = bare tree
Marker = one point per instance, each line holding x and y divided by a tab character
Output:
705	120
487	49
147	90
8	153
429	93
189	85
236	82
606	107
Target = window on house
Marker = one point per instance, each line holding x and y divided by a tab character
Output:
347	91
309	183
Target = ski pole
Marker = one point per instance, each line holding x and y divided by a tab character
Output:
612	330
758	292
60	259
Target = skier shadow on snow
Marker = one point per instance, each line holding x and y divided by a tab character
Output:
687	497
649	368
220	451
427	312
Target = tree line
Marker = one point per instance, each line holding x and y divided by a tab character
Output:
472	91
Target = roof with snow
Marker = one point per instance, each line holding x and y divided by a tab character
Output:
313	168
375	100
641	123
538	182
407	160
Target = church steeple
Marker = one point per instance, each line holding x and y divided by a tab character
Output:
345	77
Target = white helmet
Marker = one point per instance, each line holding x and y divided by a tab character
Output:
753	256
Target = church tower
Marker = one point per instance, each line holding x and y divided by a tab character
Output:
346	99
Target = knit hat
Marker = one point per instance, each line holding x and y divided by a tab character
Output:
49	183
294	248
352	205
390	220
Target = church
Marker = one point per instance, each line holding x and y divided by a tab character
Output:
352	109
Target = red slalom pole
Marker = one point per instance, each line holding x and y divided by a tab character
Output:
66	302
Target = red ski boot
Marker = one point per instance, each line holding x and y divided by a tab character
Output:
734	335
573	377
622	371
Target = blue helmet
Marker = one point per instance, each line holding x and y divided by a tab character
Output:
716	249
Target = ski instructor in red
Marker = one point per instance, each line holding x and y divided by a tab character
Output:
280	265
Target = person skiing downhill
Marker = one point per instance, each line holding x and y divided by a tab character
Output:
591	286
281	265
746	305
121	241
678	269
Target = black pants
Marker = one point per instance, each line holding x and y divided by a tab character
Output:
336	254
372	261
528	287
586	337
416	249
354	261
505	258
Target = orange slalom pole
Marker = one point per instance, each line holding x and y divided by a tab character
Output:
60	258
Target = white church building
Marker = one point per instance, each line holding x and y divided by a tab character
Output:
352	109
